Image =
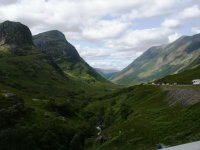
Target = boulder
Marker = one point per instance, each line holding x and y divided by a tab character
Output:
101	139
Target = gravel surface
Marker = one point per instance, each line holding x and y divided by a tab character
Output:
183	96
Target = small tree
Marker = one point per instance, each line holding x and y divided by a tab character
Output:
113	102
109	118
100	115
124	110
76	142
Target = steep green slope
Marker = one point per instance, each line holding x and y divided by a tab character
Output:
39	104
66	57
184	77
160	61
23	65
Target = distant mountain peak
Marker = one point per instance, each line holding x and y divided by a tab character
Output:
52	34
15	33
55	45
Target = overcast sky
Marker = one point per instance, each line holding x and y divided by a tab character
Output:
108	34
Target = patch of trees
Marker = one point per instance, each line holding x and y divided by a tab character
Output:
64	109
12	111
124	110
18	131
46	135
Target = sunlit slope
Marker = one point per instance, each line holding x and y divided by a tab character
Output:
184	77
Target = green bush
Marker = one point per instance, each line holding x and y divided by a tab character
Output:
64	109
124	110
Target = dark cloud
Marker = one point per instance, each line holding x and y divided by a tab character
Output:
8	2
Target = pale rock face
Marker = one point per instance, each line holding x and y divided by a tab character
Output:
2	42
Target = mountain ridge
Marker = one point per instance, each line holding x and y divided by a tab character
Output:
41	107
59	38
65	55
159	61
15	33
106	73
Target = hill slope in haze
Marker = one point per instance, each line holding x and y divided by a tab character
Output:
160	61
106	73
54	44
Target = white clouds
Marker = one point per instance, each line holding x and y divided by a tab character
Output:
140	40
190	12
182	17
146	9
104	29
110	24
173	37
87	52
171	23
195	30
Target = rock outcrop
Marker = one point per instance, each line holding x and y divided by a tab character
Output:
15	33
54	44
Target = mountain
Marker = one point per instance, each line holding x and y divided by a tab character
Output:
54	44
22	65
159	61
106	73
40	105
15	33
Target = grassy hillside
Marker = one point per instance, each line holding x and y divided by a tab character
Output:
39	104
160	61
184	77
45	111
140	117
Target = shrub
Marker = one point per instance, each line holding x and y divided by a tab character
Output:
64	109
124	111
